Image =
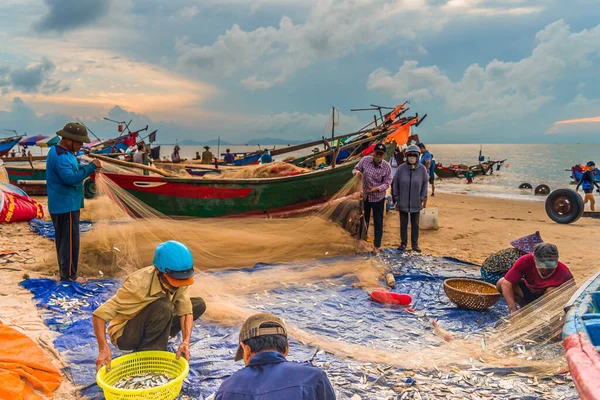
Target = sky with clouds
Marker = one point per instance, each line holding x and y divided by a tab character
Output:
485	71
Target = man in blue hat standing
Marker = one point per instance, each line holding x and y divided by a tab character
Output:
376	179
152	305
64	180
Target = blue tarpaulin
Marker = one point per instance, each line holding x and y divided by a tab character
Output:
46	229
331	308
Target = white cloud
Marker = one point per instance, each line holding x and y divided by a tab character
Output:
500	89
188	13
332	29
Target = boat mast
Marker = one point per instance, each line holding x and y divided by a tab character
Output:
334	155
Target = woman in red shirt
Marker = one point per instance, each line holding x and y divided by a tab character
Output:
532	276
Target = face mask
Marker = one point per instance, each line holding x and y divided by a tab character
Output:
412	160
377	159
546	268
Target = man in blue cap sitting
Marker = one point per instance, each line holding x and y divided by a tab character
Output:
152	305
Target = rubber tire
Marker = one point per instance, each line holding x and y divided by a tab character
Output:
542	190
525	186
573	198
89	189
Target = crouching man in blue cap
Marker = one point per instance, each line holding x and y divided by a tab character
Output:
152	305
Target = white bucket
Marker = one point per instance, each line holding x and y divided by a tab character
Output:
428	220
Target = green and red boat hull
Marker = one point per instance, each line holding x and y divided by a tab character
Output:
25	173
207	198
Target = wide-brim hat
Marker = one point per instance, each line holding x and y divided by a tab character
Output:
75	131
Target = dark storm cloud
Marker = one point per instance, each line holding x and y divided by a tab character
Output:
32	79
67	15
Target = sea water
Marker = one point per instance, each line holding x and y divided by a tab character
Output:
535	164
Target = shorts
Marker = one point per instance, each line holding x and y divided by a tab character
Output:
431	179
528	295
588	191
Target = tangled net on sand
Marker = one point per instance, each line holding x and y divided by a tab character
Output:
120	244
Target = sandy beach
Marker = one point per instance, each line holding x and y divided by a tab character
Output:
470	229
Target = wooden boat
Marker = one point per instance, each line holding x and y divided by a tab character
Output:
24	172
205	198
458	171
7	144
581	338
578	170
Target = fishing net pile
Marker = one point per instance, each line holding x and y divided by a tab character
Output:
272	170
120	244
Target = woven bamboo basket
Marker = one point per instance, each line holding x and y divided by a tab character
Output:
471	294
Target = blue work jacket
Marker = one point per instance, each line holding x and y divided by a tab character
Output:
269	376
64	180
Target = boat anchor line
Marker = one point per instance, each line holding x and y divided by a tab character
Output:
148	184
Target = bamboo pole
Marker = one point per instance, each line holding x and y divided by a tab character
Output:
131	165
366	140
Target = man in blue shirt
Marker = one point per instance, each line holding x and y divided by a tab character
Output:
64	181
268	375
266	157
427	161
229	158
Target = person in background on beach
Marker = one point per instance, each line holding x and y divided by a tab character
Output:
175	157
587	183
266	157
469	175
497	264
113	150
207	156
376	176
139	157
152	305
429	164
64	181
198	156
409	191
228	158
263	345
532	276
13	153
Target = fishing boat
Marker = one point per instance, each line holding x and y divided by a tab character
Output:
6	144
578	170
581	339
459	170
205	198
23	172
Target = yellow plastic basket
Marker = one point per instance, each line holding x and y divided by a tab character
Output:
140	363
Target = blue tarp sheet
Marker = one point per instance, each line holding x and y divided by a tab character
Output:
331	308
46	229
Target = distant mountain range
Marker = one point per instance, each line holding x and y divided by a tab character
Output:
268	140
214	142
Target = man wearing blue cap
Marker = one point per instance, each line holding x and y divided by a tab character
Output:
376	179
152	305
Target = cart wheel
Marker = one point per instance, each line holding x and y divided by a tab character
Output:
564	206
525	186
542	190
89	189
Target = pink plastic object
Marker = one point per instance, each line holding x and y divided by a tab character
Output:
380	296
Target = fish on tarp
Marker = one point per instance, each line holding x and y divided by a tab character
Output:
383	297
